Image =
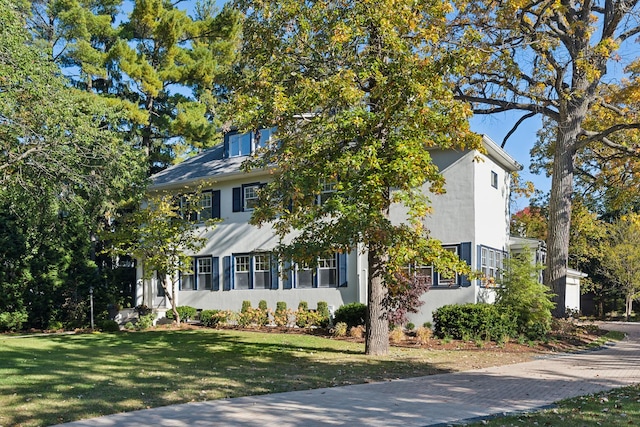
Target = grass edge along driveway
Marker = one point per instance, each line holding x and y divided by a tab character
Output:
53	379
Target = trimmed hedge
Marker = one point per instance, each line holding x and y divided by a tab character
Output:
185	312
474	321
352	314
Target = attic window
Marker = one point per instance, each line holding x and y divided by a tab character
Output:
239	144
494	179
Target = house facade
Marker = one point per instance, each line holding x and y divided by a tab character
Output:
236	264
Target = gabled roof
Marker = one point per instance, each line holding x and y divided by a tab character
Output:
212	165
495	152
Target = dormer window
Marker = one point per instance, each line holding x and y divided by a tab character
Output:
245	144
239	144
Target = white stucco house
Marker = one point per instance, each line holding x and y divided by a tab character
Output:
471	219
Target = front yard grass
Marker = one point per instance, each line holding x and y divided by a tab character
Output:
52	379
616	408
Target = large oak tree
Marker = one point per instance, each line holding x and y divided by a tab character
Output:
550	58
356	91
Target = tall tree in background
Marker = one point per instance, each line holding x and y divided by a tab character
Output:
620	260
159	64
356	91
62	167
550	58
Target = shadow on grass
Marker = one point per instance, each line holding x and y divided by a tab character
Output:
55	379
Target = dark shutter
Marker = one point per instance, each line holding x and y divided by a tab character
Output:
287	282
215	273
237	199
225	153
465	255
274	272
226	273
342	270
215	204
251	271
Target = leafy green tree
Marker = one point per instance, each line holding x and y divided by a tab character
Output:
162	237
552	59
620	261
357	94
63	169
522	293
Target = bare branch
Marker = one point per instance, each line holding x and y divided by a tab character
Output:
503	105
592	136
515	127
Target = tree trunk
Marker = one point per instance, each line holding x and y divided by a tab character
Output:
628	307
170	294
377	325
560	205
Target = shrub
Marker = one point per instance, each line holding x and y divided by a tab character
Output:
184	311
410	326
427	325
527	298
12	320
323	312
212	318
281	315
209	318
129	326
303	305
262	305
109	326
145	322
340	329
56	325
246	305
307	319
253	316
352	314
356	331
472	321
396	335
423	335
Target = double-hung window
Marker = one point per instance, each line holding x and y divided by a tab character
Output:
327	188
304	276
242	271
252	271
327	272
250	197
448	281
208	206
324	275
491	264
261	271
204	280
187	278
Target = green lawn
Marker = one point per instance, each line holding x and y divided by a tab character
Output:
52	379
616	408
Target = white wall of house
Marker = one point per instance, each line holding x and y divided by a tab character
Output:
572	295
234	235
472	210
